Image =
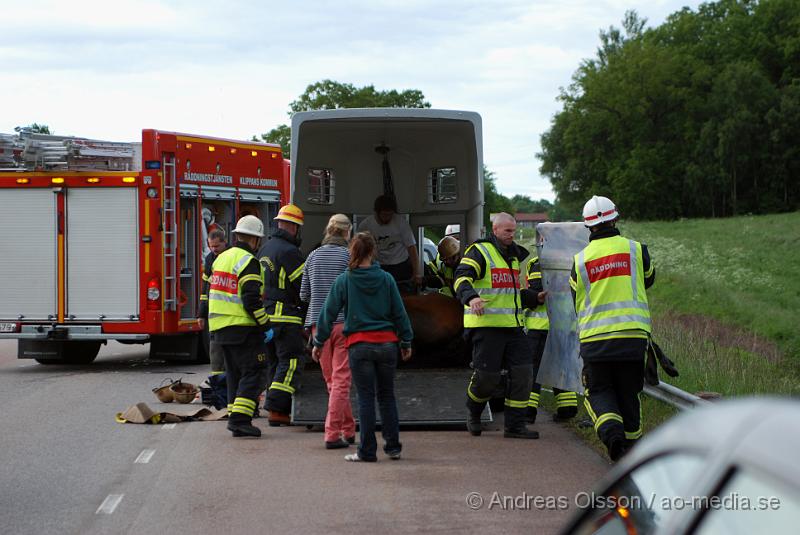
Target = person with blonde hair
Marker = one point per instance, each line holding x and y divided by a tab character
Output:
322	267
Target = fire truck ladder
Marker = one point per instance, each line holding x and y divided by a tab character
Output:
170	244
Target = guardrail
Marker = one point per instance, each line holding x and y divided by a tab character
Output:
673	396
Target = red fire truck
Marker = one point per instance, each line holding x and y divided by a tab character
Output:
105	241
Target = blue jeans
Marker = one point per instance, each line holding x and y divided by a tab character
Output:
373	367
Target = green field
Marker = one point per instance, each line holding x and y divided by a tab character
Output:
726	301
725	304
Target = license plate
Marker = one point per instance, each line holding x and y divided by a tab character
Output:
8	327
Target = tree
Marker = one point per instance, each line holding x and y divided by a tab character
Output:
524	204
493	201
280	135
330	95
34	128
694	118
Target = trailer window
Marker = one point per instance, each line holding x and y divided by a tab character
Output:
442	186
321	186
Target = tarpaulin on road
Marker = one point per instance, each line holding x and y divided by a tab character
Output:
141	413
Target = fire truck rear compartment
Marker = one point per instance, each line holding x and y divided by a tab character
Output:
29	269
102	263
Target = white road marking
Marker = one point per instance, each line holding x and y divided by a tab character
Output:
144	457
168	426
109	504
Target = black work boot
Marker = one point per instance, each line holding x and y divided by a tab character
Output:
521	432
242	427
474	425
616	448
530	415
474	420
565	414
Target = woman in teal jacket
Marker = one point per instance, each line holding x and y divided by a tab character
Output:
377	331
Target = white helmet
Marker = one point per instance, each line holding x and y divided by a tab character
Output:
208	215
452	229
599	210
250	225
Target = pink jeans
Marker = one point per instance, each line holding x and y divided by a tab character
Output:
336	372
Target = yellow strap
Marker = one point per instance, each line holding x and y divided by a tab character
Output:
634	435
280	386
607	417
297	272
475	398
461	280
473	264
251	277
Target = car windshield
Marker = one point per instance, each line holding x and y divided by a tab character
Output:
752	503
642	500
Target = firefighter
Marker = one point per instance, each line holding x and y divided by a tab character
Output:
487	284
538	324
217	243
240	324
439	273
608	281
283	268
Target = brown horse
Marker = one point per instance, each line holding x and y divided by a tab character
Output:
438	323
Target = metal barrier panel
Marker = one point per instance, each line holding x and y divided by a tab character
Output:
557	244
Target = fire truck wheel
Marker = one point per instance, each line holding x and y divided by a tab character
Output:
81	352
49	361
68	351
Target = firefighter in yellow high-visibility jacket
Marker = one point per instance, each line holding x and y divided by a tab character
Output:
440	272
609	278
239	323
487	284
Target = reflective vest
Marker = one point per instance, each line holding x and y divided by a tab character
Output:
535	319
225	307
280	315
609	293
445	274
500	288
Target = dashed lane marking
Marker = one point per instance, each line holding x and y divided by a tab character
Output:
109	504
144	457
168	426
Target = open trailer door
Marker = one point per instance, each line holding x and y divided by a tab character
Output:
431	161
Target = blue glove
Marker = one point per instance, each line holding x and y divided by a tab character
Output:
268	336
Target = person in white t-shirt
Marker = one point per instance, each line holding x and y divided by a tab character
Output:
397	248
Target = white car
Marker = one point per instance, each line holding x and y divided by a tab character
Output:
732	467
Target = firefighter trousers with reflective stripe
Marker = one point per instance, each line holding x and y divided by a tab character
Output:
246	374
495	349
285	354
612	399
566	402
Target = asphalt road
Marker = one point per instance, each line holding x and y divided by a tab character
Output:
67	467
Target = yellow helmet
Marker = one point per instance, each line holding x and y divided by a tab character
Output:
290	213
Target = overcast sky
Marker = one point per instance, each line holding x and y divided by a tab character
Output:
230	68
